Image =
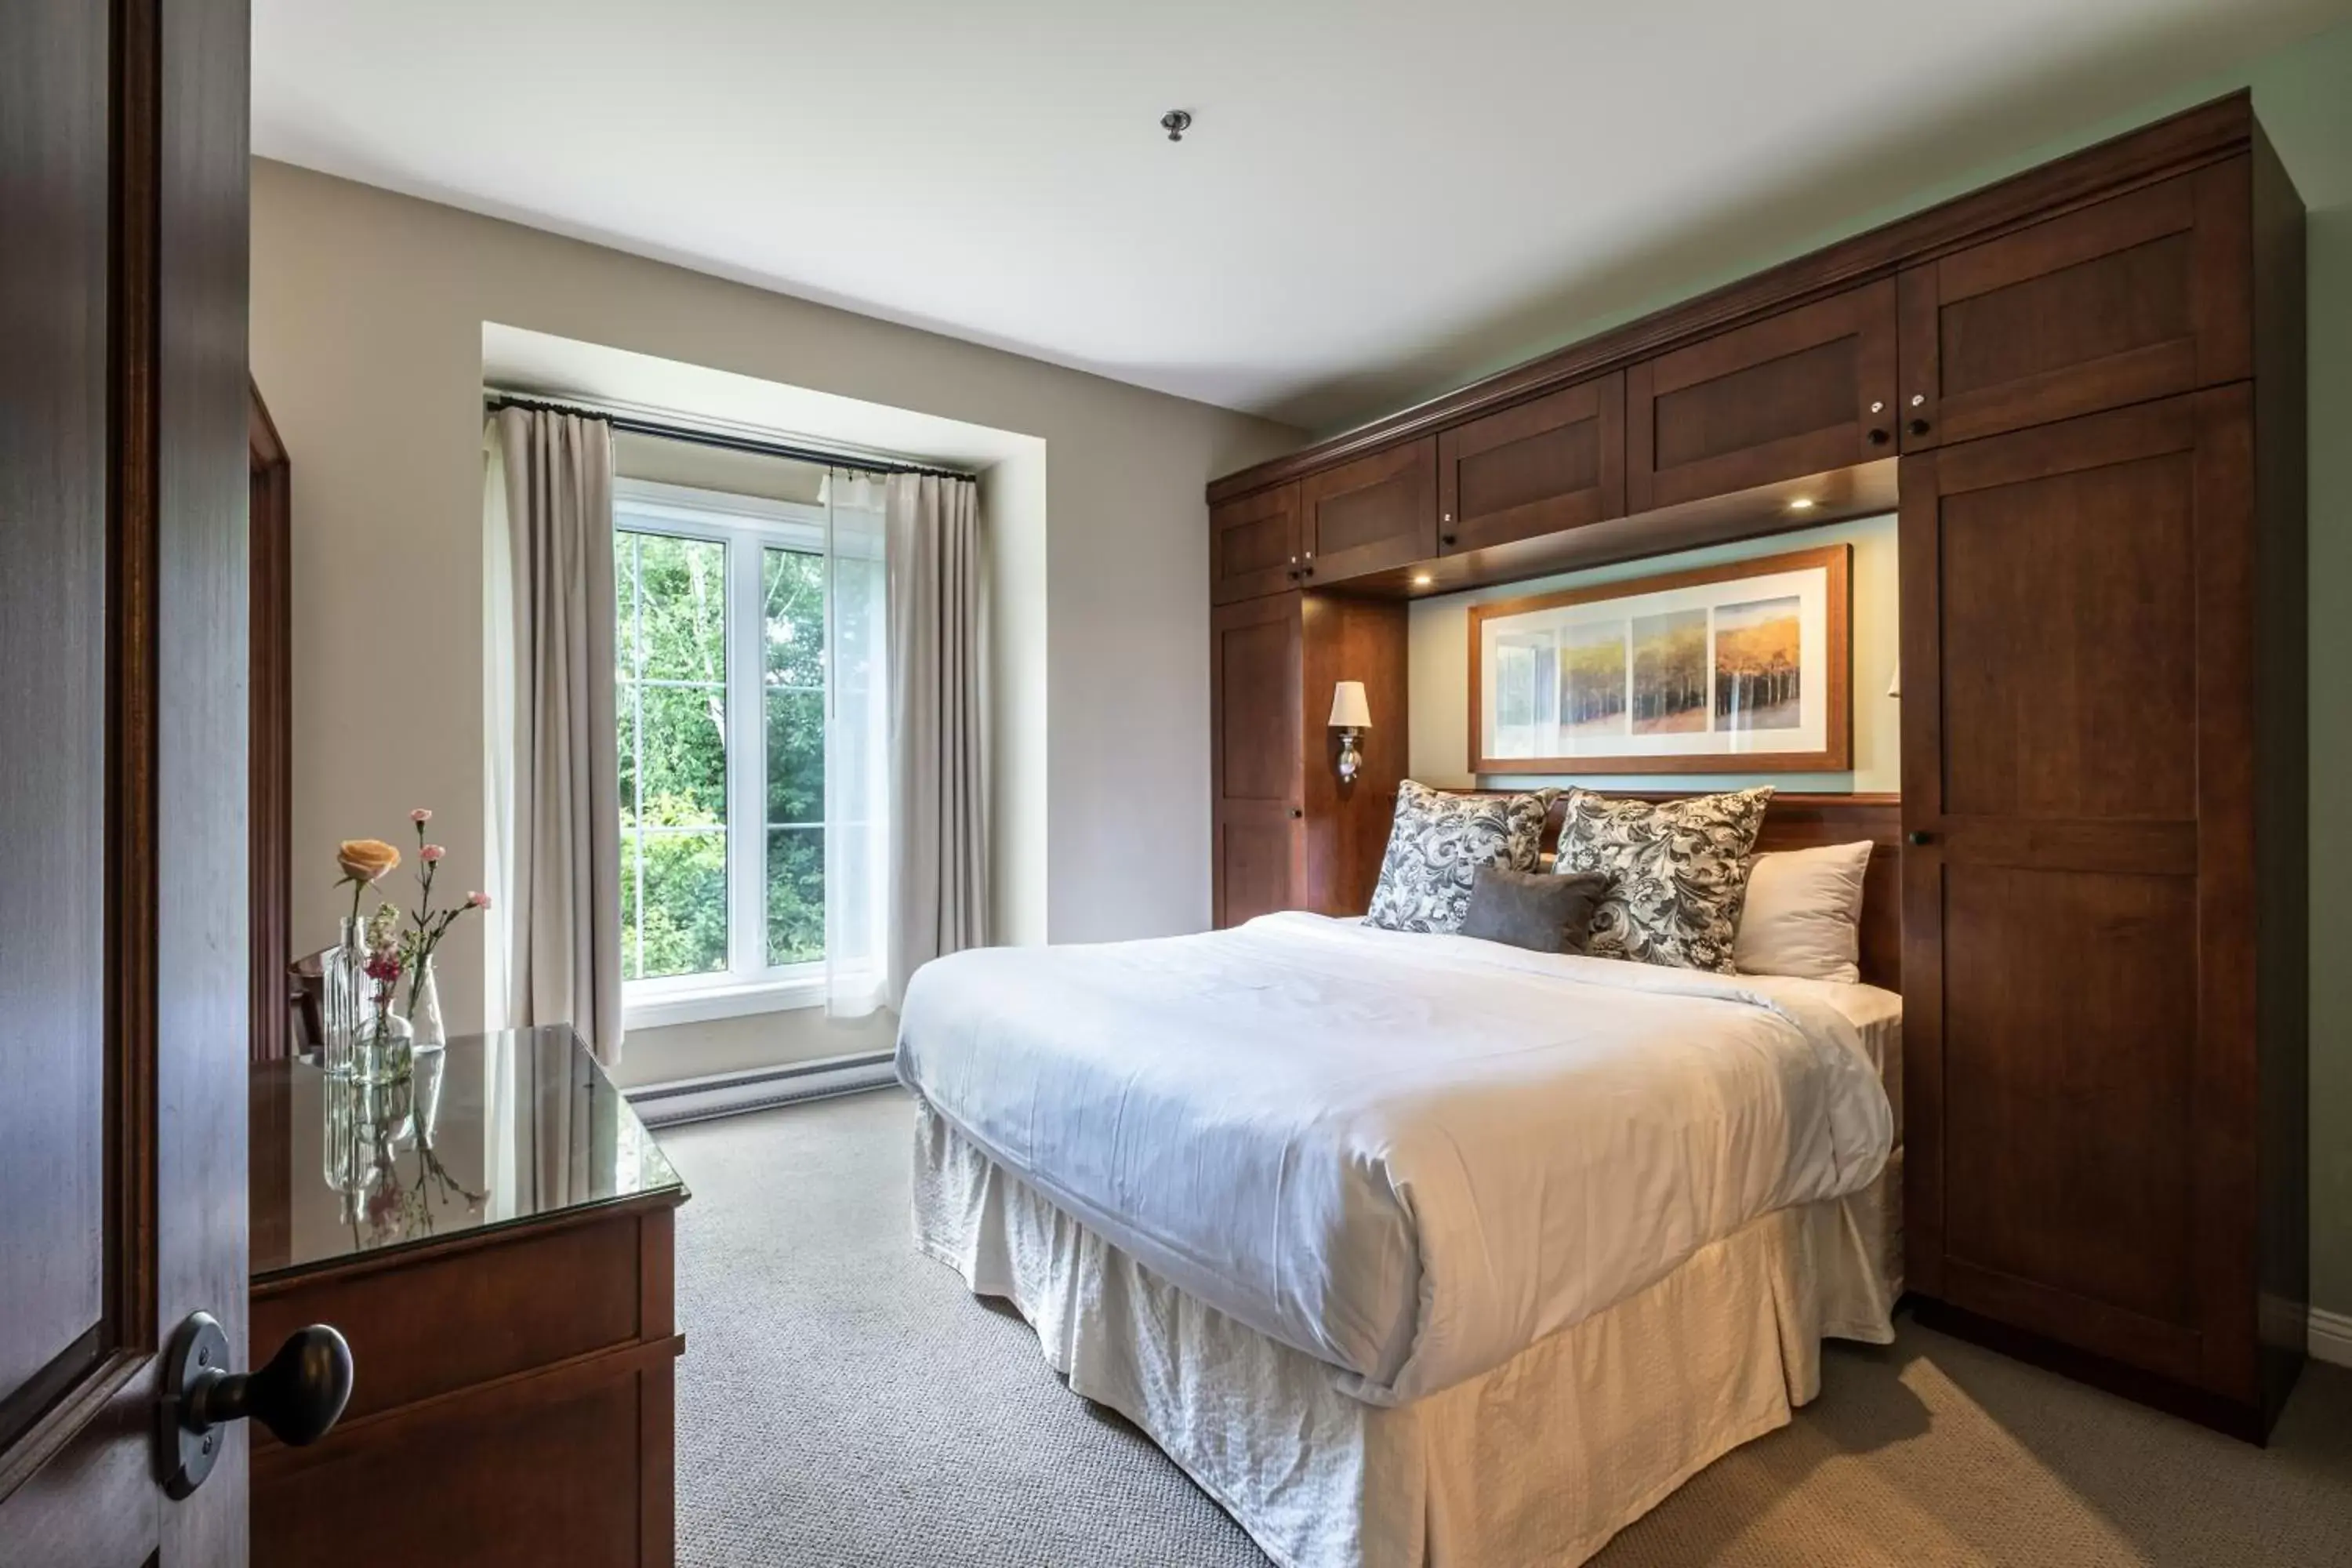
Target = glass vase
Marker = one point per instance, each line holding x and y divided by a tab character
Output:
343	1000
422	994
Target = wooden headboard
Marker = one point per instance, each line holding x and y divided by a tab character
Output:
1807	821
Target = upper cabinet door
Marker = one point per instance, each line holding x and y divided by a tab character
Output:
1369	515
2143	296
1556	463
1254	546
1802	392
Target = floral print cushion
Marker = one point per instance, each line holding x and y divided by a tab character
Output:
1436	846
1677	869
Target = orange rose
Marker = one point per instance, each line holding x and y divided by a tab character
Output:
366	860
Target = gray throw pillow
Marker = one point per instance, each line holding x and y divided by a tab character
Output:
1437	843
1539	911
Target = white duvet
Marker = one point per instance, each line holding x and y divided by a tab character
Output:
1409	1156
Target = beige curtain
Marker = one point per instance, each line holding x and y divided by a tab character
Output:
939	814
555	774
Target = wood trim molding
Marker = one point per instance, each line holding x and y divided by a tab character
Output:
2186	141
270	805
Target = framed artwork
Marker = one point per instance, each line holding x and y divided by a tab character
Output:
1742	667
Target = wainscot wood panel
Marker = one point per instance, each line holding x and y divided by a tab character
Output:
2133	299
1368	515
1810	389
1542	468
1254	546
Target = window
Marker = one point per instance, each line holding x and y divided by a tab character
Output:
721	700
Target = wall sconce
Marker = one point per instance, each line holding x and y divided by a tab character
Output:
1350	715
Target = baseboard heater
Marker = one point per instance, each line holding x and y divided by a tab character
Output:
732	1094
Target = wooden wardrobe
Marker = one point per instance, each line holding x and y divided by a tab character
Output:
2082	390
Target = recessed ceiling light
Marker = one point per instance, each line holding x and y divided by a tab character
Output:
1801	504
1422	579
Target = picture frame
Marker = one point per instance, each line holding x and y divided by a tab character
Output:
1746	666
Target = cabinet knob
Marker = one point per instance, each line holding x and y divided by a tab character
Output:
1918	836
1296	811
1876	437
1919	427
1445	538
1447	518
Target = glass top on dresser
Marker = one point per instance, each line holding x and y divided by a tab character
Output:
492	1130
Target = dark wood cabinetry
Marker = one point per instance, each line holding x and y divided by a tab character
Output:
1804	392
1369	515
1542	467
1287	834
2138	297
2078	767
2093	374
1254	546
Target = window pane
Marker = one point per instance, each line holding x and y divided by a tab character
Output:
792	584
681	754
795	757
795	894
627	705
684	926
682	594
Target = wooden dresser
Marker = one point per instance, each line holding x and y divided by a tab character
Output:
2083	391
494	1240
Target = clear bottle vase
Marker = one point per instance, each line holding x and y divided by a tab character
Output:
344	1002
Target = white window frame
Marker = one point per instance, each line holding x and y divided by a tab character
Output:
748	526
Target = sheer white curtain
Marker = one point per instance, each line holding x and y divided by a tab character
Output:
856	747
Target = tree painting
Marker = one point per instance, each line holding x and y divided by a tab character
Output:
1669	673
1758	659
1592	678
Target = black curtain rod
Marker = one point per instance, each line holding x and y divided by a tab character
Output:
636	426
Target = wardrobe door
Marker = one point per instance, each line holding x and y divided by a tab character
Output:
1800	393
2129	300
1256	807
2078	900
1369	515
1254	546
1556	463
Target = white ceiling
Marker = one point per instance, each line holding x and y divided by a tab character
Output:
1376	200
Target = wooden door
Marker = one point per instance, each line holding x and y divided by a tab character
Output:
1370	515
1254	546
1542	467
2132	298
1256	758
123	913
1800	393
2078	915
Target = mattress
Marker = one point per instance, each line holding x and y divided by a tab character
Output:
1408	1157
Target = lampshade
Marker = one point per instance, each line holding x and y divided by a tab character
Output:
1349	708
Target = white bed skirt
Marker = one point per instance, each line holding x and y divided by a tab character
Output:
1539	1461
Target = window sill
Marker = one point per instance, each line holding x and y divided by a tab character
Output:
703	1004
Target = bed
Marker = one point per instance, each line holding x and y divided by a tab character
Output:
1412	1250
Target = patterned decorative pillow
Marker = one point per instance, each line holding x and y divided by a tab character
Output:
1678	871
1436	846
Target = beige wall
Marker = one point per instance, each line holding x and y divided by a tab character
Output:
368	310
1439	669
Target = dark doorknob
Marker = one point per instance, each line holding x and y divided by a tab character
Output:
1918	836
297	1395
1877	437
1919	427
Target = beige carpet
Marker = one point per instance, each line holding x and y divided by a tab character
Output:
844	1402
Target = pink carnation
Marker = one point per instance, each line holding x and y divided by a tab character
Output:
478	900
432	852
420	815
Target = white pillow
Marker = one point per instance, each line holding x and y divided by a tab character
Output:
1802	914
